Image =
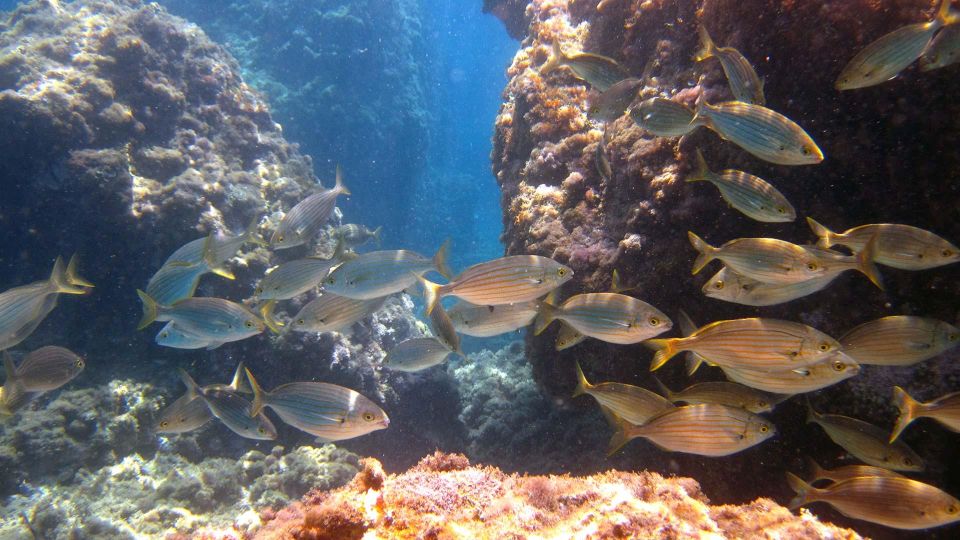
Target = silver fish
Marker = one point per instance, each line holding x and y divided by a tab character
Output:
866	442
724	393
190	412
215	319
417	354
291	279
664	117
612	103
730	286
630	403
611	317
304	220
332	313
744	82
899	246
381	273
749	194
47	368
900	340
175	337
486	321
764	259
601	72
797	381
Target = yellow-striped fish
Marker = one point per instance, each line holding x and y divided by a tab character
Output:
744	82
724	393
332	313
567	337
899	246
611	317
507	280
886	57
600	71
486	321
706	429
45	369
417	354
866	442
327	411
380	273
763	132
631	403
747	193
304	220
664	117
761	344
175	337
944	409
944	50
611	104
764	259
895	502
900	340
797	381
293	278
215	319
846	472
730	286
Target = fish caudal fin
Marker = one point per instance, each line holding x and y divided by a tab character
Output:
440	259
266	311
60	281
555	60
339	185
72	277
866	265
908	407
545	315
666	349
802	489
702	172
582	383
706	47
150	310
824	235
707	252
431	293
258	395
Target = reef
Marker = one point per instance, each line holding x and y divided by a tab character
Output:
444	496
889	158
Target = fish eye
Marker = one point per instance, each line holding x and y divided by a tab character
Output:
654	321
280	238
947	253
952	509
261	430
806	151
79	363
953	337
561	272
301	321
839	366
368	417
331	281
248	324
747	287
718	285
824	347
164	335
764	429
762	403
781	210
164	424
259	290
907	461
812	266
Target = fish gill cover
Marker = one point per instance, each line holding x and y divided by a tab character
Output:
136	141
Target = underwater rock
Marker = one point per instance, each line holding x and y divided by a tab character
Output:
890	157
446	497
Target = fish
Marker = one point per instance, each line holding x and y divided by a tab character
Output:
444	330
762	344
175	337
567	337
327	411
600	158
172	283
724	393
46	368
730	286
614	101
749	194
764	259
900	340
293	278
846	472
417	354
797	381
381	273
215	319
866	442
507	280
664	117
630	403
944	50
886	57
487	321
305	219
600	71
744	82
23	308
898	246
611	317
945	409
763	132
233	410
189	412
353	235
332	313
705	429
895	502
215	249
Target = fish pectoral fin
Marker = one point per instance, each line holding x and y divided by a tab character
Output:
918	345
801	371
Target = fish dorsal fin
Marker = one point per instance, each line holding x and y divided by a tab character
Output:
239	382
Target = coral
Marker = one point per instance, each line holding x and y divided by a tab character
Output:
483	502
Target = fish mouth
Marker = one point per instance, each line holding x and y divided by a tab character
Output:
384	424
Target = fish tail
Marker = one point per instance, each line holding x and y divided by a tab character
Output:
376	234
702	172
802	489
706	45
440	260
339	186
866	265
555	60
707	252
266	311
192	389
9	368
431	293
666	349
545	316
582	383
72	277
60	280
620	436
150	310
825	237
909	408
943	14
667	393
252	235
258	394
